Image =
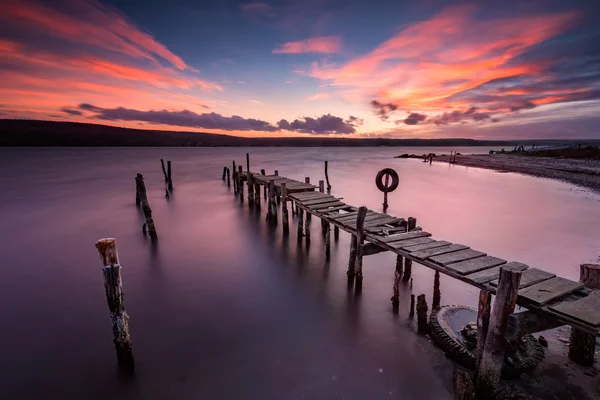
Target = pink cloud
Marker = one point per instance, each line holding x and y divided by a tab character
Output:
427	64
318	96
322	44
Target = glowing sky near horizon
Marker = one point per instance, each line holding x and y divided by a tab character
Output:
486	70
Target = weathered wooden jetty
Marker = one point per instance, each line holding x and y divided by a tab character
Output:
551	300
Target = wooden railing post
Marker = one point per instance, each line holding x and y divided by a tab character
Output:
113	287
327	178
582	345
490	366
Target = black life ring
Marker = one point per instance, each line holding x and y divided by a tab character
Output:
381	175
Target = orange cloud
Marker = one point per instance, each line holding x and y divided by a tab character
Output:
426	64
323	44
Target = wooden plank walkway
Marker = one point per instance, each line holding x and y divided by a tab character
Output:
540	291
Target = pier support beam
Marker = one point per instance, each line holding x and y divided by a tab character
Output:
397	276
240	183
162	164
224	172
257	195
169	177
272	210
250	183
352	259
463	386
113	286
422	309
284	210
582	346
141	189
412	306
437	295
234	176
360	243
228	179
300	212
327	241
336	233
490	366
307	228
483	322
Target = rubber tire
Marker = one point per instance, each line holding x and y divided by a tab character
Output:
379	180
466	358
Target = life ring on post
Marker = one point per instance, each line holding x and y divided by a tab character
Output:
382	180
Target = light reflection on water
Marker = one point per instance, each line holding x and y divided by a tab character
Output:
226	307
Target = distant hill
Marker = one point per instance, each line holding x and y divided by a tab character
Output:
50	133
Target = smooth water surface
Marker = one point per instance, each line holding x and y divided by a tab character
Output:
223	307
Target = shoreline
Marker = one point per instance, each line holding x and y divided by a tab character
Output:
584	173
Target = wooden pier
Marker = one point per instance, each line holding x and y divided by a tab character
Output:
552	301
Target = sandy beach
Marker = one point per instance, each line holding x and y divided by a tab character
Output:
585	173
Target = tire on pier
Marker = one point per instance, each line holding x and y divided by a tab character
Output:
521	355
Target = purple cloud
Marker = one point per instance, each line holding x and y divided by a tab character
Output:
323	125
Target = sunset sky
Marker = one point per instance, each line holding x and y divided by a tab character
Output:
430	68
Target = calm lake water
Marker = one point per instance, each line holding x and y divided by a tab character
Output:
226	308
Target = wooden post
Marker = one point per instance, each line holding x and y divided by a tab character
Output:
248	163
385	202
422	315
463	386
284	210
307	180
412	306
327	241
411	223
262	172
272	211
437	295
327	178
407	270
137	197
360	240
483	322
250	189
397	276
322	186
490	366
336	233
235	183
276	173
224	172
141	189
300	212
228	179
162	164
256	195
113	286
352	259
240	183
307	228
169	178
582	346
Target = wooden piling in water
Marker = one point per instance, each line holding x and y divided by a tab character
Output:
250	189
327	241
437	295
228	179
169	177
141	189
483	322
360	243
490	366
300	223
411	224
284	210
322	186
240	183
276	173
224	172
257	195
422	309
248	163
582	345
463	386
327	178
336	233
235	183
272	213
397	276
352	259
113	287
137	197
412	306
162	164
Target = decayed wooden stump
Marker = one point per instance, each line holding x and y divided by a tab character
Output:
437	294
483	322
422	309
284	210
352	258
327	178
490	366
169	177
397	277
162	164
141	189
113	285
463	386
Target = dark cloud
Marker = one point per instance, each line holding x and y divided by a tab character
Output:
70	111
180	118
461	117
382	110
414	118
323	125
